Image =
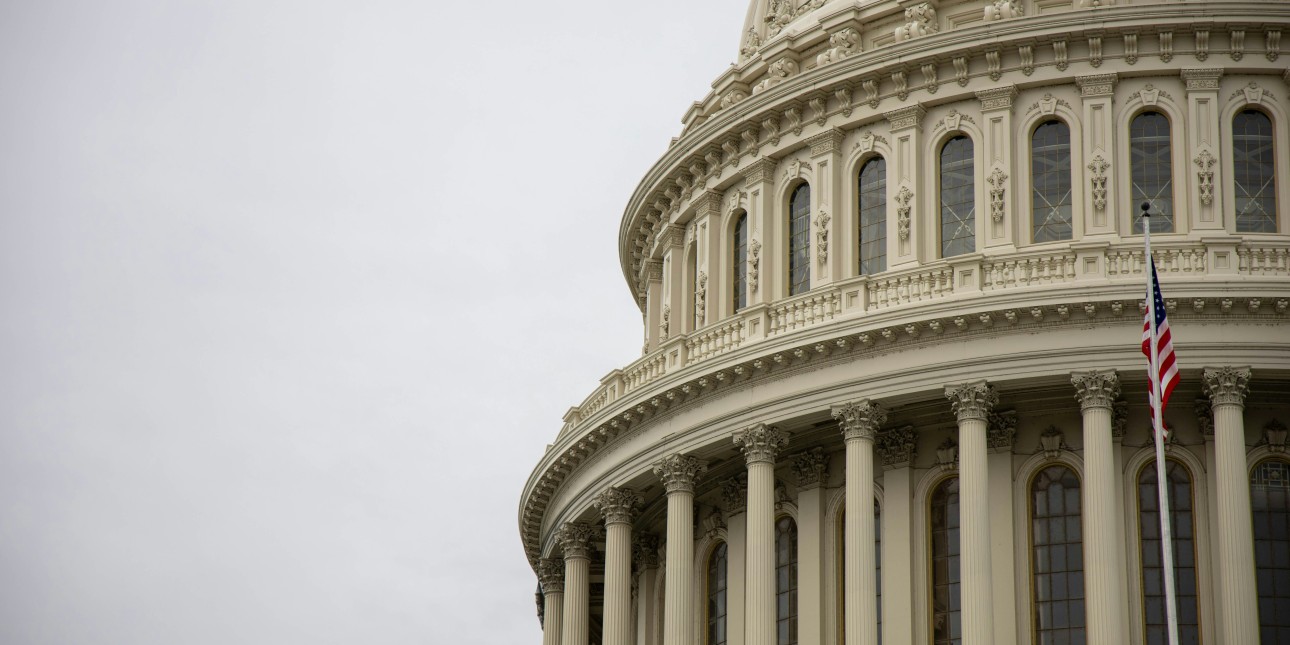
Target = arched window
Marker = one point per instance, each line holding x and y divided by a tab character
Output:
873	216
1057	556
1151	168
947	621
739	270
786	581
1253	174
958	198
1182	525
717	596
799	240
1050	180
1270	504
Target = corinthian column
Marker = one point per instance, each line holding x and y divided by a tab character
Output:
617	506
1103	581
575	539
972	403
859	423
678	473
551	573
1238	595
761	444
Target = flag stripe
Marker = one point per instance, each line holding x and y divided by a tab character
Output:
1167	372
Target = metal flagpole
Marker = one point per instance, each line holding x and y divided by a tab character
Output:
1157	391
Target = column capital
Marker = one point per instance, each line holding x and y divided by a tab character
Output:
1000	430
906	117
617	505
551	575
1227	385
761	443
1096	85
1096	390
679	472
1119	420
859	419
762	170
1202	78
575	539
997	98
972	400
826	142
811	468
734	494
645	551
897	447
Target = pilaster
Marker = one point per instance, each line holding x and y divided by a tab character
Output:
1001	430
1096	93
998	229
829	221
896	448
645	557
810	468
651	279
1203	150
904	183
734	495
764	228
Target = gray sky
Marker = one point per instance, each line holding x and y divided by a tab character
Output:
293	295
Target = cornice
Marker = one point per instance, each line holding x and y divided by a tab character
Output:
822	97
850	340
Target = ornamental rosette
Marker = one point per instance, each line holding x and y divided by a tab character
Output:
860	419
575	539
1096	390
551	575
761	443
972	400
679	472
1227	385
617	505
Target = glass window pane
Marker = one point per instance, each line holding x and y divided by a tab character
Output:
1254	178
1151	170
946	599
786	580
1057	556
1270	505
799	241
740	262
873	216
1050	179
958	198
1153	586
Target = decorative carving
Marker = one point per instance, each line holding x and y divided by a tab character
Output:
1166	46
700	300
751	44
842	43
733	96
1095	51
947	454
1204	417
859	419
825	142
902	84
1027	54
734	494
811	468
770	125
1096	84
575	539
1047	105
897	447
819	111
822	237
753	141
903	208
1131	49
1000	430
905	117
1202	44
794	116
551	575
713	524
1274	436
617	505
1119	419
998	184
1205	176
992	64
679	472
1003	10
961	71
777	73
1253	93
971	400
1150	95
1272	43
645	550
761	443
781	13
1227	385
1202	78
1237	51
1094	4
754	261
1052	441
1098	167
666	323
871	91
843	95
929	77
920	20
1059	55
952	121
794	168
866	142
1096	389
999	98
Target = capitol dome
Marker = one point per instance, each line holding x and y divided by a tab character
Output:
891	277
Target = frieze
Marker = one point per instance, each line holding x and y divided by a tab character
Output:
998	98
907	117
826	142
1202	79
1096	84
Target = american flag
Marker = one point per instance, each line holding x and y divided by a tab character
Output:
1167	372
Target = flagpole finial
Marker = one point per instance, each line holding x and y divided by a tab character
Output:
1146	209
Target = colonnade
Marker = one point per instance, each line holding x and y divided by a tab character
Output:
565	588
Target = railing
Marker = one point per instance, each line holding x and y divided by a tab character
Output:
1121	263
804	311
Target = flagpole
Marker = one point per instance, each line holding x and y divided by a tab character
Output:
1162	484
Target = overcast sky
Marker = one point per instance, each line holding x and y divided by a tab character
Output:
294	294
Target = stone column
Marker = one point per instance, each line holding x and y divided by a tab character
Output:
617	506
761	444
645	552
551	573
859	423
972	403
1103	581
1238	596
575	539
679	473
